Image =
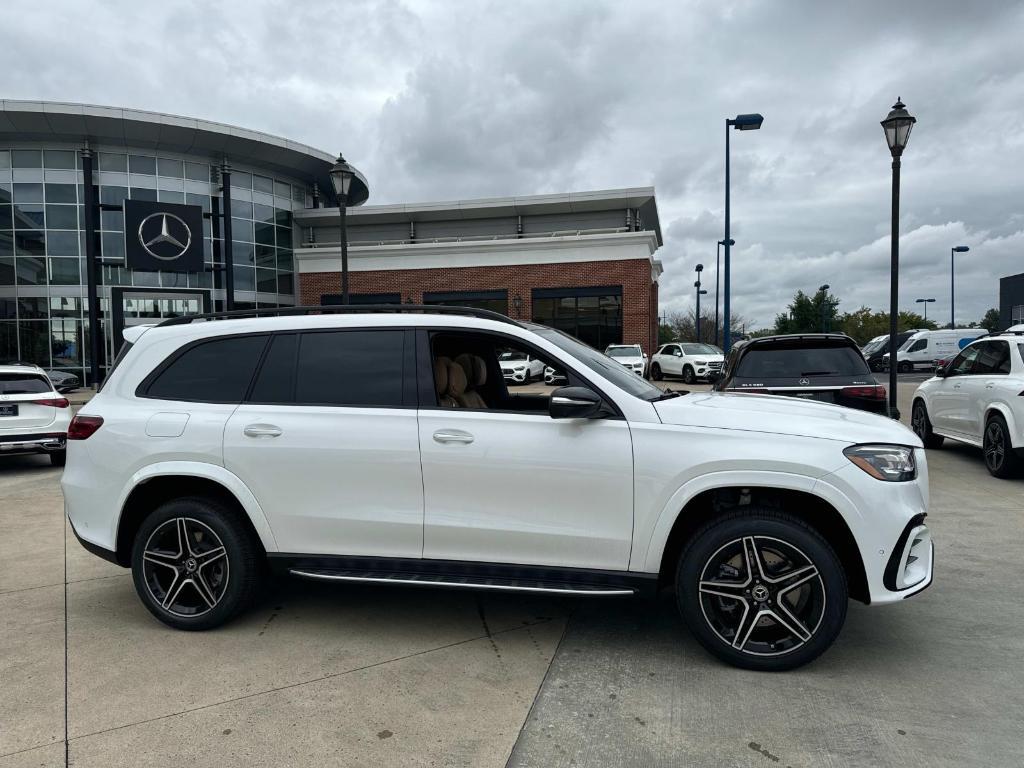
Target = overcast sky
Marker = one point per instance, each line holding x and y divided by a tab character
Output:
451	100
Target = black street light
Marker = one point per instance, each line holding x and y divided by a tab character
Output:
824	304
896	125
740	123
952	252
698	269
718	260
926	302
341	177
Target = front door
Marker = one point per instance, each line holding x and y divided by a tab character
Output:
950	404
503	482
327	442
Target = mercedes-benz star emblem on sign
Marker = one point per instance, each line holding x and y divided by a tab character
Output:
804	382
164	236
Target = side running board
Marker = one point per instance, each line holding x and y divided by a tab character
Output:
465	582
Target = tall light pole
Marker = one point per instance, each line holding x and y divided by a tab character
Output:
718	263
896	125
824	304
341	177
952	275
740	123
699	268
926	302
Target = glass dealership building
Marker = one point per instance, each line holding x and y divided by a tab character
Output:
144	156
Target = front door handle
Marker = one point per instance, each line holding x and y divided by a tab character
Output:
453	436
262	430
956	386
990	385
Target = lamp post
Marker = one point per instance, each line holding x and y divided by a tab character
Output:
926	302
952	252
824	304
698	269
896	126
341	177
740	123
718	263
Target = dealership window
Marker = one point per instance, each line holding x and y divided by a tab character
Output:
495	301
592	315
1017	314
330	299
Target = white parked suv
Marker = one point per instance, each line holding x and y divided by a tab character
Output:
631	356
686	360
520	367
387	447
978	398
34	418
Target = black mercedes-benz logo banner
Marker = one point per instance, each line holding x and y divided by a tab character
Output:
163	236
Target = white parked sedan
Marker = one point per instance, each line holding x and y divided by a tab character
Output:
632	356
34	418
976	399
688	361
520	368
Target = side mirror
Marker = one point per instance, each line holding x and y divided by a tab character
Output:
574	403
714	377
677	353
940	370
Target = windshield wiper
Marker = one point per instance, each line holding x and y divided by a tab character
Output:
668	393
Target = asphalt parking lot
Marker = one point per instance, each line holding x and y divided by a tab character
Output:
364	676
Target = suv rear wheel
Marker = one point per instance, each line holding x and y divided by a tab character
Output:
762	590
656	372
195	565
1000	457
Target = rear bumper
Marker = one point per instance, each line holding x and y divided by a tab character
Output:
44	442
95	549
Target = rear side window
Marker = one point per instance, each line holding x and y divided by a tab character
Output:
795	362
354	368
215	371
23	384
276	380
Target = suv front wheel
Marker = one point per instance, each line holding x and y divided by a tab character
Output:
762	590
195	564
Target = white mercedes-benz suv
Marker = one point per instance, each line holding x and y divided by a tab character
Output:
34	418
381	447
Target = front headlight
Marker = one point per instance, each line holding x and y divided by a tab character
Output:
519	368
892	463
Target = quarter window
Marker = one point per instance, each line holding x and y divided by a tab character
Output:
216	371
354	368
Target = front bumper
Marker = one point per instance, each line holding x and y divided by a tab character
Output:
517	376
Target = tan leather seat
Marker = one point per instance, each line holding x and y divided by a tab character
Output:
456	390
476	376
441	368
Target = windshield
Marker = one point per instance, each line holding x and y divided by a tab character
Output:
874	346
701	349
794	362
600	364
623	352
513	356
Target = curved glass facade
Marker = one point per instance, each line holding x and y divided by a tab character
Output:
42	245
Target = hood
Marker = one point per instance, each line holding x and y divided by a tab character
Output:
783	415
710	358
508	365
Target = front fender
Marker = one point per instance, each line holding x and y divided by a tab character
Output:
213	472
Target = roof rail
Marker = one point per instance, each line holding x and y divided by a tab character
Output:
331	309
1003	333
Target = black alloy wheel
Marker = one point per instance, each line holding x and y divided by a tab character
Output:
656	372
922	426
195	564
904	368
688	376
1001	459
762	590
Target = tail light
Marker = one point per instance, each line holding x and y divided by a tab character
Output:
82	427
53	402
869	393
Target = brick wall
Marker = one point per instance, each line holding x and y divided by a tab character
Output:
639	294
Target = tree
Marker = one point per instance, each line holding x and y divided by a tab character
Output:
864	325
682	326
809	314
991	322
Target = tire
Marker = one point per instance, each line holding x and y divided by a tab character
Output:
922	426
783	635
904	368
192	587
688	377
58	458
1001	459
656	372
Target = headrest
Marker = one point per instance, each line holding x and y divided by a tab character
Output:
441	374
473	367
456	380
480	367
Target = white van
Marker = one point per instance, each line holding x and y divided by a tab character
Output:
925	348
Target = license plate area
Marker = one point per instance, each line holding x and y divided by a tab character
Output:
8	409
822	397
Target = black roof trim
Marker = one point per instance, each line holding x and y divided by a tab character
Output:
333	309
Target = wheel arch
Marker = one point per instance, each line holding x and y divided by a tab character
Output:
812	509
156	484
1006	412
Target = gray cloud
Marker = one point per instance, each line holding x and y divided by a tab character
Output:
441	100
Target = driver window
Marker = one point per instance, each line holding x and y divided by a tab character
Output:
963	362
918	345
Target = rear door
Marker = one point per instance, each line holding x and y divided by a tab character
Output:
984	385
26	402
327	441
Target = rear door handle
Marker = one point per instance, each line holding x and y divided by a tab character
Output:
453	436
990	385
956	386
262	430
